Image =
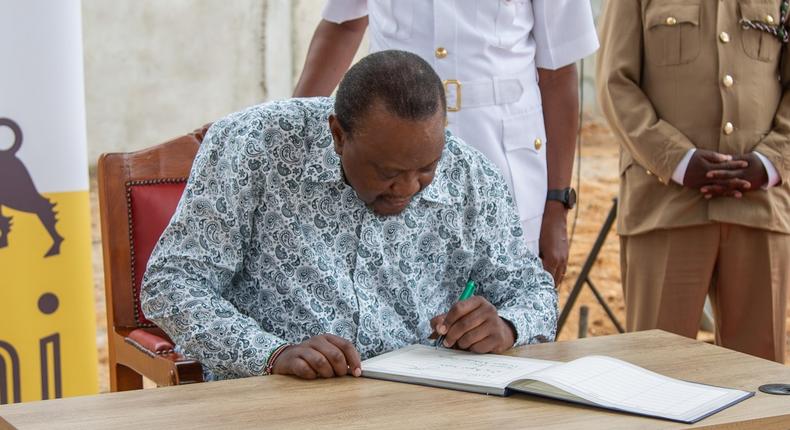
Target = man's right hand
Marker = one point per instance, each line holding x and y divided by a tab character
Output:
704	161
322	356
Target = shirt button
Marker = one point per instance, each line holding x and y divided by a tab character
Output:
441	52
538	144
769	19
724	37
671	20
727	81
728	128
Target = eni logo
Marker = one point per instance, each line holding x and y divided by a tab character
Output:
18	192
49	346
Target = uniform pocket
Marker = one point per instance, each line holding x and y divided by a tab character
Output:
393	17
760	45
672	34
524	139
504	23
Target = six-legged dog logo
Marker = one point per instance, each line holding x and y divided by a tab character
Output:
18	192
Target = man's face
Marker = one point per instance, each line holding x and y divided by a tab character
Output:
387	160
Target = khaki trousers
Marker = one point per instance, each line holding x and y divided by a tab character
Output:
667	273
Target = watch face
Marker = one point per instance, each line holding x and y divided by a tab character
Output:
571	198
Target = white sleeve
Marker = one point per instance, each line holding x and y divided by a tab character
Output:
340	11
773	174
680	170
564	31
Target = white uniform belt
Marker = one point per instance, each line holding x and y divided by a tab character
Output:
486	92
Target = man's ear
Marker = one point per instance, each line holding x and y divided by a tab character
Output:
338	134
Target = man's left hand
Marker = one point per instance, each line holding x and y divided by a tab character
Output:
474	325
553	242
754	174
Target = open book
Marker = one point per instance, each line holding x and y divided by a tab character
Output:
594	380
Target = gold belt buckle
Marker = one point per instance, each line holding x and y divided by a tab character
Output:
457	106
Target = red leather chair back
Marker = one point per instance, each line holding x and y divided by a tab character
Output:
151	204
138	193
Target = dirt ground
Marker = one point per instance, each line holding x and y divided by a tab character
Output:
599	186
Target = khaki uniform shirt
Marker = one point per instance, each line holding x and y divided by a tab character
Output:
674	75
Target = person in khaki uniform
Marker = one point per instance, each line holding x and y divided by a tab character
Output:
698	93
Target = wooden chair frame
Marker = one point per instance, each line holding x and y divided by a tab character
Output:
129	358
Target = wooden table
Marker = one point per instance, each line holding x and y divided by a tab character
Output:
350	403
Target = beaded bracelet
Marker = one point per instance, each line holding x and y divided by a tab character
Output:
269	369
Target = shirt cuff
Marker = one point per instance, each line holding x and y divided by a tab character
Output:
529	331
680	170
773	174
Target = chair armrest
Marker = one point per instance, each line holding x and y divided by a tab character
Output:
149	342
164	368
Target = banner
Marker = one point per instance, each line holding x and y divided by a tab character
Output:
47	316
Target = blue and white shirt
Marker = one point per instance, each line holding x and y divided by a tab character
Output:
269	245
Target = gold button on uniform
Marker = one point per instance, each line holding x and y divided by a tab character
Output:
727	81
728	128
769	19
671	20
724	37
441	52
649	173
538	144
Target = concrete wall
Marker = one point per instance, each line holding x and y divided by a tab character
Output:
158	69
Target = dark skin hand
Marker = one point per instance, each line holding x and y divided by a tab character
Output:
700	174
553	241
474	325
322	356
750	175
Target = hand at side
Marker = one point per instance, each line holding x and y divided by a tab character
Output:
553	241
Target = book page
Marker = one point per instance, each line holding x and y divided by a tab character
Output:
620	385
426	362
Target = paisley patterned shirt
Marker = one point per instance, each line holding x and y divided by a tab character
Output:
269	245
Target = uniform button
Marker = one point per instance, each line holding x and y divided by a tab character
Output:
441	52
769	19
724	37
671	20
728	128
649	173
727	81
538	144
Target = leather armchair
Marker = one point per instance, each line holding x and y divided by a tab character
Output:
138	193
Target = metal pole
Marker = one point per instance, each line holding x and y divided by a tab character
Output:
585	272
584	314
606	307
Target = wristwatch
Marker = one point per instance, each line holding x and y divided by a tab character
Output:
566	196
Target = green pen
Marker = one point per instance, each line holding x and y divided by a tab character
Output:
469	291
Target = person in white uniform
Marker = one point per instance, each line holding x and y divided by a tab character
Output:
510	77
